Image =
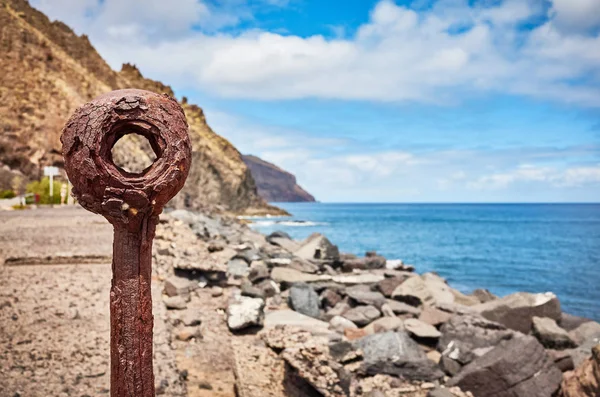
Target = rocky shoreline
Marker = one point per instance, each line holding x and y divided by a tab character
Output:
303	319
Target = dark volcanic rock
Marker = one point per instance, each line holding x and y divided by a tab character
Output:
275	184
519	367
305	300
516	311
395	353
467	337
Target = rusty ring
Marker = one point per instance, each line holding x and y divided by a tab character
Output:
90	134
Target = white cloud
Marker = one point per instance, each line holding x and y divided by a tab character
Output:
400	54
576	15
552	176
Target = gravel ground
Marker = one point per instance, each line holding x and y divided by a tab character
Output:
54	319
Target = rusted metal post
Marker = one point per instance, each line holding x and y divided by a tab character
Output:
132	204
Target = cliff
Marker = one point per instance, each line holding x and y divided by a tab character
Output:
275	184
48	71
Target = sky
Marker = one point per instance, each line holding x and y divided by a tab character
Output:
380	101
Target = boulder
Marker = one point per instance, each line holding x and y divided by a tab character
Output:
366	263
287	244
278	234
248	254
339	309
569	322
433	316
175	286
363	295
396	354
419	329
305	300
294	319
403	308
585	331
291	276
362	315
466	337
585	380
483	295
385	324
550	335
244	312
388	285
238	267
519	367
258	272
269	288
252	291
353	279
562	359
428	290
439	392
330	298
317	246
516	311
340	324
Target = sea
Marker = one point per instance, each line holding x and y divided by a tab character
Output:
504	248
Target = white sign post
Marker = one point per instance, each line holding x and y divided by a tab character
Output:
51	172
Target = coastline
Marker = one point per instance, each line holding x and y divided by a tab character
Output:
254	315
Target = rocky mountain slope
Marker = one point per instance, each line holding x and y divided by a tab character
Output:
48	71
275	184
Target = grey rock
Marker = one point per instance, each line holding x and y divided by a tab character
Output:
569	322
424	290
585	331
244	312
420	329
294	319
362	315
550	335
366	263
483	295
464	336
388	285
258	273
340	324
385	324
330	298
278	234
317	246
269	288
291	276
403	308
363	295
516	311
285	243
238	267
305	300
520	367
395	353
252	291
353	279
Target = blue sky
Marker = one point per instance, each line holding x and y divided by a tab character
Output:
406	101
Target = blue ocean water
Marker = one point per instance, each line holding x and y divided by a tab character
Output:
502	247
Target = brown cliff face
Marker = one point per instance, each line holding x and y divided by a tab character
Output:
48	71
275	184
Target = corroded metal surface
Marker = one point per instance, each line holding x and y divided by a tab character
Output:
131	203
